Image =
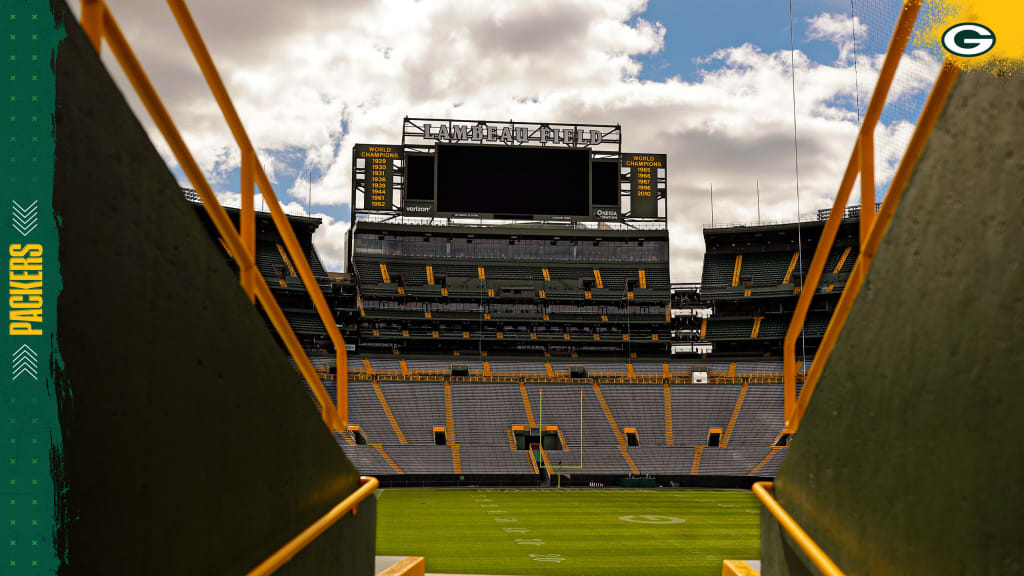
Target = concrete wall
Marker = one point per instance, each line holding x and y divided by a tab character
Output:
909	460
190	445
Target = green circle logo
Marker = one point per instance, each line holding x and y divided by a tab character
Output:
968	39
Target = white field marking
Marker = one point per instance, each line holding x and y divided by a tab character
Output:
497	511
556	558
505	520
488	505
516	530
728	506
530	541
752	511
649	519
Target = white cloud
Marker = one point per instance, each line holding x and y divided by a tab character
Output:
329	240
298	71
840	29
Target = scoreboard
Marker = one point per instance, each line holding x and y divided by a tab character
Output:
645	172
378	161
498	181
511	171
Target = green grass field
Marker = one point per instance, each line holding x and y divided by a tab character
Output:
571	531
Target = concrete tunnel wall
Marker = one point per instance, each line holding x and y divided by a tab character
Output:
190	446
908	460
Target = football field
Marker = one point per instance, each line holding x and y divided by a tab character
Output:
570	531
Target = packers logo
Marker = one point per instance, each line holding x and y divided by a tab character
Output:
968	39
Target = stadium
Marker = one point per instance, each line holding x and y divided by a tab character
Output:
503	377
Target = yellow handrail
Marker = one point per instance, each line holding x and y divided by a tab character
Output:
816	554
872	226
929	115
99	23
301	264
367	485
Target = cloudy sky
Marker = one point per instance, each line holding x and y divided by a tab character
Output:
708	82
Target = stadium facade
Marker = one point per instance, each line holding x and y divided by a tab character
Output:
510	238
753	275
488	344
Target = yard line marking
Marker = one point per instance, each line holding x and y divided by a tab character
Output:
649	519
556	558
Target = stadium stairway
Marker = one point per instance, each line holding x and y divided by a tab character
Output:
619	436
904	462
188	443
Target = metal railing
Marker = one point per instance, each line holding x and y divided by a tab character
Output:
809	547
397	218
806	217
852	212
99	24
560	377
351	503
872	226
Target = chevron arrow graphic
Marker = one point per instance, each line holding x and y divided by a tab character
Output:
25	361
24	219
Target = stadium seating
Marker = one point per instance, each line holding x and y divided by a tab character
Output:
764	272
674	460
527	365
418	407
765	269
415	459
729	329
305	321
490	459
638	407
760	417
737	461
485	412
364	457
367	412
696	408
718	270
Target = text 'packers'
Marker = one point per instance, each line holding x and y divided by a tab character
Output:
26	290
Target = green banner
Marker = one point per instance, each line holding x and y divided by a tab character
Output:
32	434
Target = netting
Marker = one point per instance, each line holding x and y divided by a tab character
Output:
871	29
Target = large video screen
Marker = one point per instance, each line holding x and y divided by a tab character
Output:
419	177
513	180
604	182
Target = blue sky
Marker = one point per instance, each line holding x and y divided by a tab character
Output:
696	28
